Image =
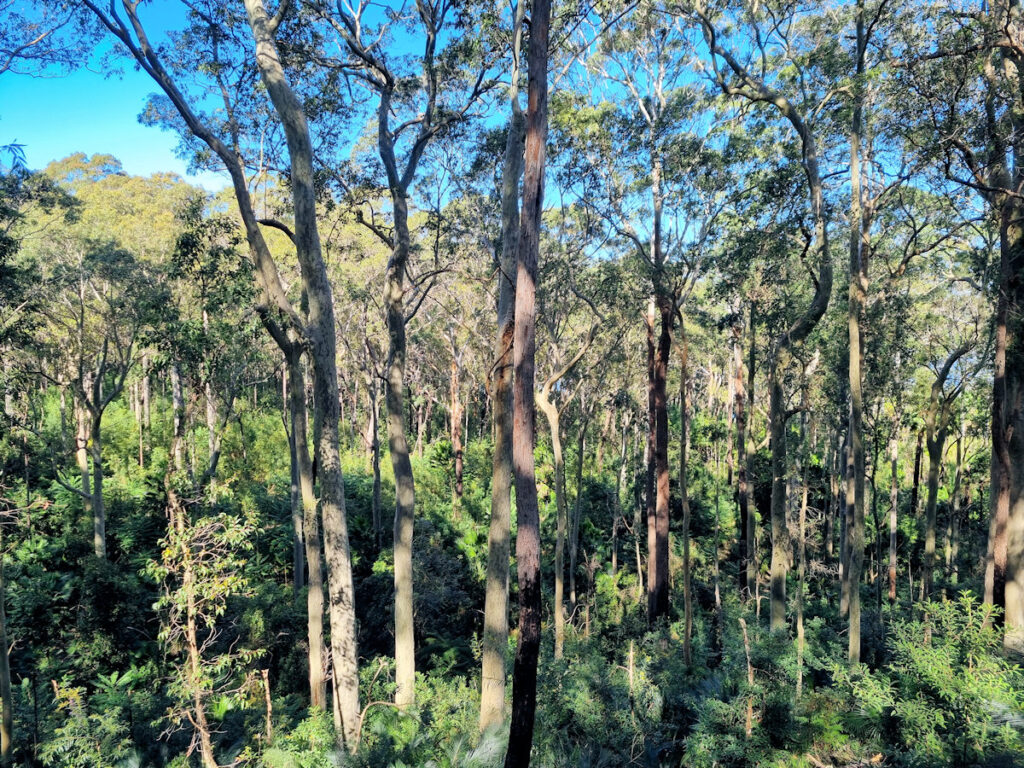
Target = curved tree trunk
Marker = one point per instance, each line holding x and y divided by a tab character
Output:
318	328
322	345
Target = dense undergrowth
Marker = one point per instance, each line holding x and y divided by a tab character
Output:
94	670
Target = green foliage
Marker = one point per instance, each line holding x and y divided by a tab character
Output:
441	731
86	739
947	697
201	568
311	744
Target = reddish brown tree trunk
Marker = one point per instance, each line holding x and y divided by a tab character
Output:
524	676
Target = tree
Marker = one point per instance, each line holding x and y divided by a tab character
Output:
317	330
969	132
201	568
441	77
524	675
495	637
103	305
734	79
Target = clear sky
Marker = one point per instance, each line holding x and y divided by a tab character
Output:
86	112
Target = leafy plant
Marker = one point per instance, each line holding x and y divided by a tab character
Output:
86	739
947	698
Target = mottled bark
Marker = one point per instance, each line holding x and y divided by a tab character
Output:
524	678
495	637
321	344
658	524
1009	448
398	448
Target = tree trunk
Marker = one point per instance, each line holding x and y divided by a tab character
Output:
574	527
657	557
747	468
801	561
146	400
322	345
747	572
828	514
82	459
524	678
915	487
99	516
178	417
953	527
551	413
311	531
602	437
684	496
374	426
936	446
650	503
6	697
398	447
1011	444
780	530
295	495
495	637
894	487
456	419
620	480
857	298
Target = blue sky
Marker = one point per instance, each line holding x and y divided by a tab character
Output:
87	112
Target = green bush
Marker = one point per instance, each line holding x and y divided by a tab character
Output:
310	745
947	697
